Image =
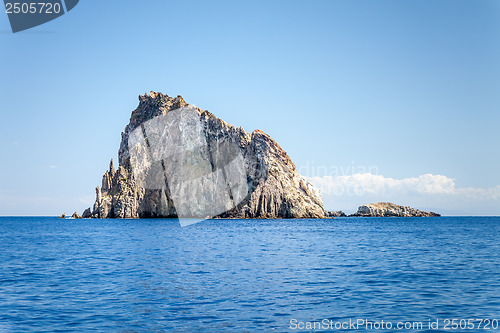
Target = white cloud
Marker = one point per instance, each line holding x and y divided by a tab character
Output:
362	183
492	193
435	191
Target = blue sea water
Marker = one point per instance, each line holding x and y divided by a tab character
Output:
152	275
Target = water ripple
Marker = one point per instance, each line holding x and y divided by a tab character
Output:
243	275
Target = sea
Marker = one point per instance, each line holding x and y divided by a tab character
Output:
350	274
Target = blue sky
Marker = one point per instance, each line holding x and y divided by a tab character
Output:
400	89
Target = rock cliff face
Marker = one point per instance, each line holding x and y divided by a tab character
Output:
386	209
268	185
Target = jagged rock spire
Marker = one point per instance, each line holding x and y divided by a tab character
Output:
111	168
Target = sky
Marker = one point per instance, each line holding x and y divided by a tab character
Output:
373	100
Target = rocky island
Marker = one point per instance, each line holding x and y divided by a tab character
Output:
176	159
334	214
387	209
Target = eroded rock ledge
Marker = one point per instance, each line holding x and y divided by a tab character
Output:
275	188
333	214
387	209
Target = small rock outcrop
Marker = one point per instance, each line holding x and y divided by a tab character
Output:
387	209
87	213
272	186
76	216
338	213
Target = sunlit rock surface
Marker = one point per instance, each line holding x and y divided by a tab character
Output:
386	209
176	160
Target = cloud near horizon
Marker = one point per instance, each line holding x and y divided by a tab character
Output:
426	191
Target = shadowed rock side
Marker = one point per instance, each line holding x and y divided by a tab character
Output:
386	209
275	189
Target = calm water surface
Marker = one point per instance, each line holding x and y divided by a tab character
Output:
244	275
